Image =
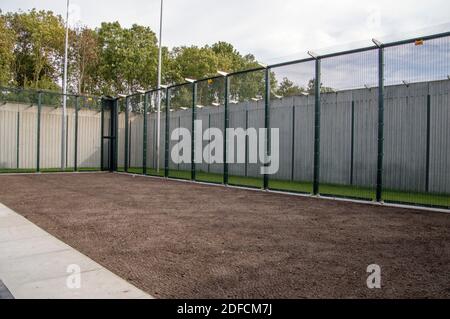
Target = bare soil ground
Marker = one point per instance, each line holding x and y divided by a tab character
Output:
182	240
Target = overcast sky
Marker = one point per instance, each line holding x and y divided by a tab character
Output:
273	30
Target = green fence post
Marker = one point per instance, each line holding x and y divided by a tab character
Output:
427	178
379	189
102	128
317	85
194	117
18	140
267	125
352	142
293	143
75	162
144	138
38	142
126	134
226	124
167	140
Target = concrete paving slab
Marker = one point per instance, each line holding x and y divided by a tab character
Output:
20	232
34	265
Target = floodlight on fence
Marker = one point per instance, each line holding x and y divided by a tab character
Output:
377	43
199	106
233	101
304	93
215	104
313	55
163	86
276	95
262	65
183	108
121	95
405	83
222	73
141	91
190	80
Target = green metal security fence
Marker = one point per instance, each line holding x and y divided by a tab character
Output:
370	124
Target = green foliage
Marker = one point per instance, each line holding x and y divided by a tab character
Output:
7	39
288	88
112	59
38	50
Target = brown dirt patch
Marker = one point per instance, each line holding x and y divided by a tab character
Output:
183	240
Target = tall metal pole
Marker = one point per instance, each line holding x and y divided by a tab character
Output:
64	84
158	120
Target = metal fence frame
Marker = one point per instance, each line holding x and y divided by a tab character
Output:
316	59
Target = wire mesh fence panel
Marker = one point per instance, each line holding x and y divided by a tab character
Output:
210	113
51	158
246	110
292	113
416	148
135	133
155	164
180	130
89	135
348	127
18	130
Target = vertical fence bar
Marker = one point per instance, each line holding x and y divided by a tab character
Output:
293	143
126	134
75	162
246	144
194	117
102	127
352	142
116	134
38	142
380	124
427	173
266	125
317	129
226	122
18	140
167	140
144	137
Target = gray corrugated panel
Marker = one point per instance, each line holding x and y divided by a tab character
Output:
89	139
335	138
304	138
365	137
203	116
255	120
8	138
405	137
439	138
28	129
186	122
281	118
217	121
50	151
237	119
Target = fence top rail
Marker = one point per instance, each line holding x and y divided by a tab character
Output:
324	56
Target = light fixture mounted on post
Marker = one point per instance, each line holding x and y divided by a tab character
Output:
222	73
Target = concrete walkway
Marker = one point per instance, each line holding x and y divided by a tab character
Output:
34	264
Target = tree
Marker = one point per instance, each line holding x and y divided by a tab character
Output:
128	58
288	88
7	39
84	57
38	48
